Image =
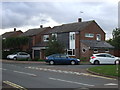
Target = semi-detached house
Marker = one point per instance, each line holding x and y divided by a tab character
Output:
81	39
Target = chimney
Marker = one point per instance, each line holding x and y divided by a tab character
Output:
14	29
41	26
79	19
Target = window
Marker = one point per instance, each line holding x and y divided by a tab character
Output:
83	50
63	56
101	55
46	38
98	37
107	50
95	50
54	35
71	52
72	37
108	56
90	35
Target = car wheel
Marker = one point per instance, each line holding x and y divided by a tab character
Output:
51	62
96	62
72	62
117	61
15	58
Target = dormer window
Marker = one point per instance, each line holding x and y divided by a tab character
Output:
98	37
46	38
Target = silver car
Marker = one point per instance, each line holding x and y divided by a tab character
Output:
19	55
104	58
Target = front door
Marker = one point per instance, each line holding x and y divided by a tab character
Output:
36	54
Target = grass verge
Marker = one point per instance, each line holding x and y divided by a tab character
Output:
110	70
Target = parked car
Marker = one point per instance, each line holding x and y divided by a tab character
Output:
104	58
19	55
61	59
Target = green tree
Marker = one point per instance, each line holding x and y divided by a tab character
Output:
115	41
54	47
14	42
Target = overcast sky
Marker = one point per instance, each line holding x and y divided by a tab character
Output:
26	15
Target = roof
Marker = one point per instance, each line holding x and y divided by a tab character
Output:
71	27
96	44
11	34
35	31
41	44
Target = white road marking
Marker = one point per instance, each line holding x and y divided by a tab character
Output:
70	72
2	69
71	82
25	73
110	84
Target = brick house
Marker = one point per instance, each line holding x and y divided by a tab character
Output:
12	34
81	39
35	36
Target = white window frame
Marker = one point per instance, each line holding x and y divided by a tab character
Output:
54	34
106	50
45	38
72	37
95	51
73	52
89	35
98	38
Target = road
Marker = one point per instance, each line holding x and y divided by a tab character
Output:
54	76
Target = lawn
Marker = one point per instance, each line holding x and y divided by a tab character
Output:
110	70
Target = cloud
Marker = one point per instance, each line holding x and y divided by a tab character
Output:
19	14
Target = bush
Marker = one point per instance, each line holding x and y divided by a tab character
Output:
84	59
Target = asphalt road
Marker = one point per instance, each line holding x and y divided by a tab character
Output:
54	76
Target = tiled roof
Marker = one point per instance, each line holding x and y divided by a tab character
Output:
96	44
10	34
71	27
41	44
35	31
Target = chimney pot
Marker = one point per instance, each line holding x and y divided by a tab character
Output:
14	29
79	19
41	26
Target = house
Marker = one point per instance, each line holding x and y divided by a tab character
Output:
14	33
34	37
81	39
11	34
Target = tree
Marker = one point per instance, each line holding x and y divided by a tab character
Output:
54	47
115	41
14	42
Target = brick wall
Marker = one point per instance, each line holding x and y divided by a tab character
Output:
94	29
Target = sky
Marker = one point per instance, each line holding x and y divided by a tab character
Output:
27	15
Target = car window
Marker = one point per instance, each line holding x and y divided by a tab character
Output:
56	56
63	56
23	53
101	55
108	56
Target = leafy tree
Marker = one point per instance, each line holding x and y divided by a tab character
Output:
14	42
54	47
115	41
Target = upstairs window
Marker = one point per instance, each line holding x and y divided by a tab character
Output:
98	37
72	37
46	38
89	35
54	35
